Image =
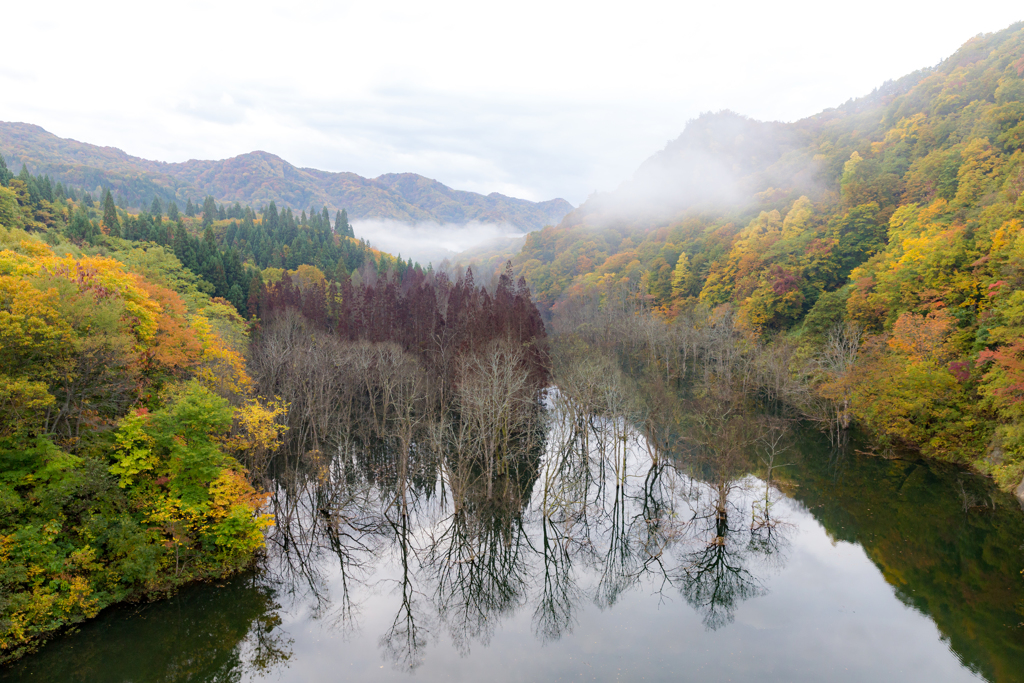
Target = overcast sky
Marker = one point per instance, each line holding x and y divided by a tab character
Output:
530	99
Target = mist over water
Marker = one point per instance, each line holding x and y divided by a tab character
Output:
430	242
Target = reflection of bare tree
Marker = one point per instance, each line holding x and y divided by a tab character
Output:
636	485
478	566
324	510
404	643
560	595
713	577
714	551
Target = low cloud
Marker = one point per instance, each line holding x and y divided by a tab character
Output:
430	242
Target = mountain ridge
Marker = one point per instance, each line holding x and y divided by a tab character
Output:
259	177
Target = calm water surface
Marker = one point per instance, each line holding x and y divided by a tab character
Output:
615	566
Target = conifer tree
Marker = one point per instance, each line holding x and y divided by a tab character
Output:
81	227
172	211
155	208
270	219
5	173
341	224
110	223
209	211
190	209
340	271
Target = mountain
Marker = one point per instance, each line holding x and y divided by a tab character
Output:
258	178
896	219
725	162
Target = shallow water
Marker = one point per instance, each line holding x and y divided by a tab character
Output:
606	567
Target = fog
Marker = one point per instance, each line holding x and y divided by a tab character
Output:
534	100
429	242
721	161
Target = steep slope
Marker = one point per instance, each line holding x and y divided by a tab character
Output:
258	178
898	217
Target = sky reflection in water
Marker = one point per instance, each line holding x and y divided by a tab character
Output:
665	578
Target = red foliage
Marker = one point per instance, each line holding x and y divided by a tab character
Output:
425	315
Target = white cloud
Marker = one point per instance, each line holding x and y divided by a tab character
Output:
533	99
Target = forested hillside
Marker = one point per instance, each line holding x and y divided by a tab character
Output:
258	178
142	376
890	227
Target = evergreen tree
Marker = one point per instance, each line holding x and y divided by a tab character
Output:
110	222
341	225
209	211
182	248
81	227
190	209
209	242
270	220
5	173
172	211
155	208
340	271
236	297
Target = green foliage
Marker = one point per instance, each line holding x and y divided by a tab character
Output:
100	499
900	213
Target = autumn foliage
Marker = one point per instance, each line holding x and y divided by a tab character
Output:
120	413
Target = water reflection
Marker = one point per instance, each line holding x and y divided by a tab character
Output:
600	509
205	633
582	516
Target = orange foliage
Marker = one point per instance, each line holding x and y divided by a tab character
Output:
174	346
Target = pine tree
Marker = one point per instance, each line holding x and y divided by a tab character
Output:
270	220
341	225
209	211
155	208
5	173
81	227
340	271
190	209
172	211
111	225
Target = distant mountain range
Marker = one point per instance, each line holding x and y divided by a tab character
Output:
257	178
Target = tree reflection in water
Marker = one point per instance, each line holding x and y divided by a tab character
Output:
600	513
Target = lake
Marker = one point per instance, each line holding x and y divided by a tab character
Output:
599	558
